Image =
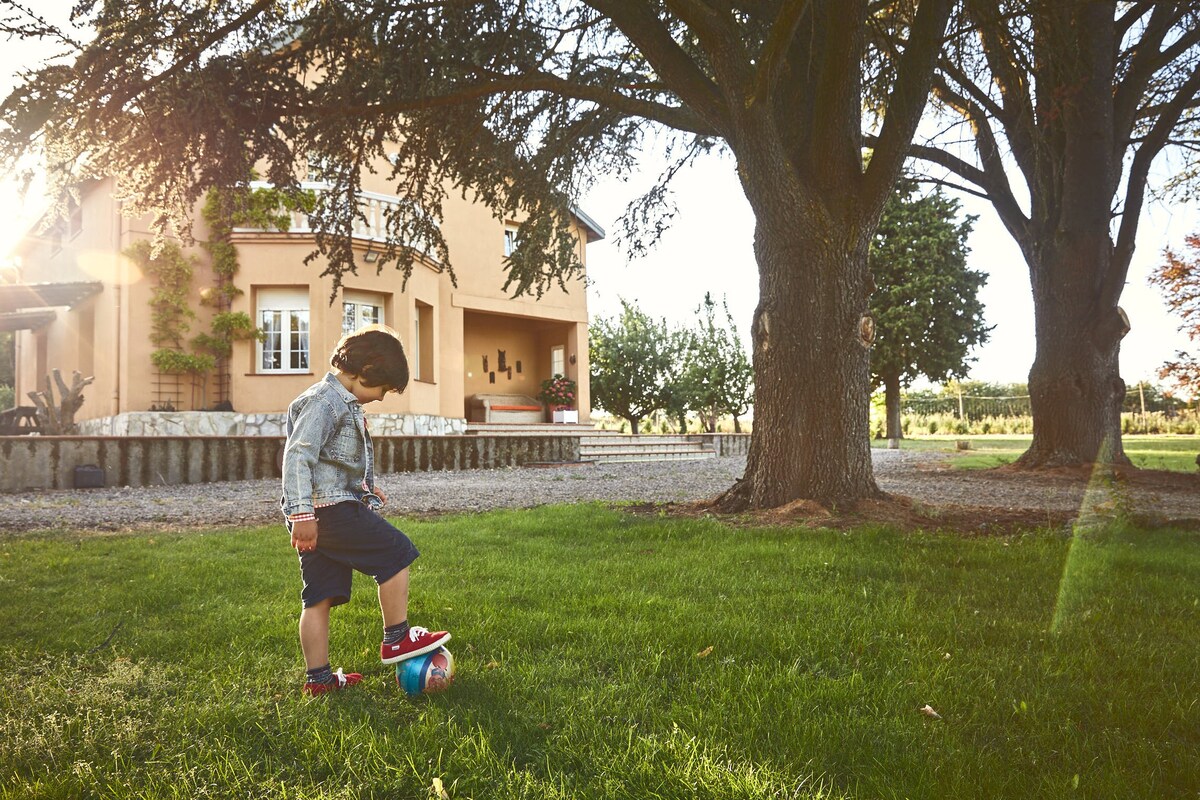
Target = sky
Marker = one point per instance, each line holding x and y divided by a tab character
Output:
709	248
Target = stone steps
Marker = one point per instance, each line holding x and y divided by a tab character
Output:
618	447
531	429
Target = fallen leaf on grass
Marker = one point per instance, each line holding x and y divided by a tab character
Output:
438	791
705	653
545	726
492	665
929	712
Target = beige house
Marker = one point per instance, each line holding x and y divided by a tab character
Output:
80	303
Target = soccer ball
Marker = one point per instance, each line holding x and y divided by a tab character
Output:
430	672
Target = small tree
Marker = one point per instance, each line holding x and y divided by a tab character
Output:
1178	278
631	360
718	372
678	393
926	305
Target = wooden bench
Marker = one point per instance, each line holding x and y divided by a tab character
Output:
504	408
19	421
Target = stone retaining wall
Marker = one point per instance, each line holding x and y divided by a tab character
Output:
231	423
49	462
727	444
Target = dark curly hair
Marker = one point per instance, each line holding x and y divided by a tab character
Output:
375	355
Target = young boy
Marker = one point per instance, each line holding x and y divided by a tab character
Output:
331	504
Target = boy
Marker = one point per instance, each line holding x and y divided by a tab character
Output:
331	504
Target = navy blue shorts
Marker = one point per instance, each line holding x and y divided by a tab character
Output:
350	536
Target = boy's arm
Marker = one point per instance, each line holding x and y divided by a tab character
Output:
304	535
312	426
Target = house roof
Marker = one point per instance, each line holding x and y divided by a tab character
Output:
25	305
25	320
594	232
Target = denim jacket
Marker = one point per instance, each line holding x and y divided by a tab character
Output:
328	457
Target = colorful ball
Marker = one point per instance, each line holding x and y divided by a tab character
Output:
431	672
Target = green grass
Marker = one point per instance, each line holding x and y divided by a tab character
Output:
1174	453
166	666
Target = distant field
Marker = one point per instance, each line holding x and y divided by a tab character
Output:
1175	453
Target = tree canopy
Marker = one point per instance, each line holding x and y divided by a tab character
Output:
523	102
633	358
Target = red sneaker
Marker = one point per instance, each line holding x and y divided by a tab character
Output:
340	681
417	642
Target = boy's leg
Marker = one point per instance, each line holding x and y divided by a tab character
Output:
314	633
393	598
393	603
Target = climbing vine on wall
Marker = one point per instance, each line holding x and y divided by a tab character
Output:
171	315
171	312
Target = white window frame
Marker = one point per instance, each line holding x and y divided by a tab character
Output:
286	306
510	239
360	309
558	360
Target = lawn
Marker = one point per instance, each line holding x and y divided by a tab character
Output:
607	655
1175	453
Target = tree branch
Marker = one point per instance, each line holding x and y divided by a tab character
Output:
774	54
638	22
1135	193
910	93
259	6
679	117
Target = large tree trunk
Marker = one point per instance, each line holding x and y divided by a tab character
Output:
811	437
891	403
1075	386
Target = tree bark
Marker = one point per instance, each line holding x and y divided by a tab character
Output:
811	438
1075	386
891	400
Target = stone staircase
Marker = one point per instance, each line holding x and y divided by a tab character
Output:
607	446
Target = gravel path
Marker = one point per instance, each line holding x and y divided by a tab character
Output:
918	474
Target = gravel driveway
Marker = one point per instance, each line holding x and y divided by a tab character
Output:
920	475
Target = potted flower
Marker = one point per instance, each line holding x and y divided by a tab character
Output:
558	393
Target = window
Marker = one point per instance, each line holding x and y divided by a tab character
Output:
510	240
359	309
558	360
422	349
318	169
283	319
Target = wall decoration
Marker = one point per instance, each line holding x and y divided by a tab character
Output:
491	377
501	364
485	369
510	373
518	367
572	358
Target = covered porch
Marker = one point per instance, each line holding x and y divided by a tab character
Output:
505	359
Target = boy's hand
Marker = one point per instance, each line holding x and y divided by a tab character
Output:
304	536
379	493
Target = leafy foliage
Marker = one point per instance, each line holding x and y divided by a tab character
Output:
520	104
1178	278
170	306
632	361
926	303
558	392
717	377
